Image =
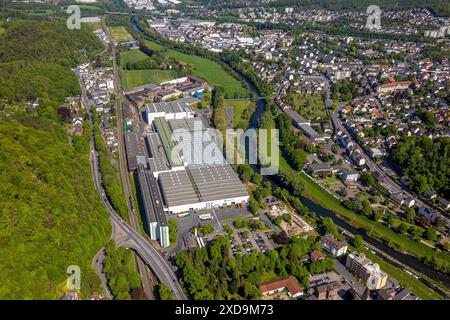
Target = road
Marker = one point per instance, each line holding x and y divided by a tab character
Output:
133	239
349	278
385	180
123	163
97	263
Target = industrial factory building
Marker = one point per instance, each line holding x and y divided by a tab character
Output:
168	111
191	178
201	187
171	176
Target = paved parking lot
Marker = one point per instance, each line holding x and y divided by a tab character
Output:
324	278
254	241
220	217
185	224
232	213
263	242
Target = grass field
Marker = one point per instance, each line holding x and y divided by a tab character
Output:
89	7
134	78
238	110
40	12
319	196
207	70
93	25
120	34
131	56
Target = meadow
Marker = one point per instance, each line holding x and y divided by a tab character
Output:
134	78
206	69
239	107
120	34
131	56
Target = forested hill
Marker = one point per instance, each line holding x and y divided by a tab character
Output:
50	214
438	7
46	41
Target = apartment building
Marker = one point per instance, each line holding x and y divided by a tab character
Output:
367	270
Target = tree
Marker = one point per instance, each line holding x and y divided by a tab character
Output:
251	292
329	226
403	228
287	217
358	241
430	234
282	238
390	219
245	172
207	228
256	178
377	215
254	206
415	232
228	229
410	215
367	179
173	230
164	292
64	114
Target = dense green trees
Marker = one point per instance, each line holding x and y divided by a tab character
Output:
212	273
119	270
217	103
426	161
164	292
109	172
50	214
357	241
46	41
173	231
344	90
292	145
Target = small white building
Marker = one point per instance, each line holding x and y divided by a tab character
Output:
349	175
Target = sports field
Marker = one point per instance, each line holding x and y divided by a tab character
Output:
131	56
207	70
120	34
134	78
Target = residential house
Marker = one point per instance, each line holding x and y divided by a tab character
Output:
349	175
334	246
290	284
327	291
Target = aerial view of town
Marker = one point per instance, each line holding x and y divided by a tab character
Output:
224	150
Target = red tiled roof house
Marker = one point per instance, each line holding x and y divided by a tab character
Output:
279	285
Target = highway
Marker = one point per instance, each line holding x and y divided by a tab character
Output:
134	240
124	177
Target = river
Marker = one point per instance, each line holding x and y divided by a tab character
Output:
405	259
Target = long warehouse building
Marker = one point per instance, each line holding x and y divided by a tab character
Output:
152	205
